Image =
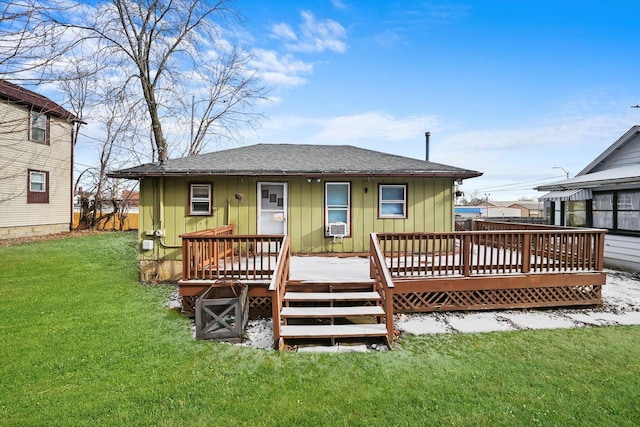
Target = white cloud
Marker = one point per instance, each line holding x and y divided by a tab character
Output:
338	4
313	36
516	160
565	132
371	130
283	31
388	39
375	125
280	70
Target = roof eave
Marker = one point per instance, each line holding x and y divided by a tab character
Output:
404	174
589	184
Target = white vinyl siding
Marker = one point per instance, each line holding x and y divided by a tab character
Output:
622	252
20	155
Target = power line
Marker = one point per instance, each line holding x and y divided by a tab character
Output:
515	185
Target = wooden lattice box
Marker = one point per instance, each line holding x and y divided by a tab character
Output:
222	312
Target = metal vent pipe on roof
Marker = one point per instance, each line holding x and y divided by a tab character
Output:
426	137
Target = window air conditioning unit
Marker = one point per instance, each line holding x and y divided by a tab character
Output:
337	229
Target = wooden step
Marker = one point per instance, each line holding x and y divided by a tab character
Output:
332	296
333	331
316	312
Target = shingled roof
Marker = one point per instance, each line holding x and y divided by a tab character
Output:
24	96
295	160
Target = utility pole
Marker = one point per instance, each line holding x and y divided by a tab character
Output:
563	169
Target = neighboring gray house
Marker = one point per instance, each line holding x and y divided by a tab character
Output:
605	194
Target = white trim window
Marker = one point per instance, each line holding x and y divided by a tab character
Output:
392	201
37	186
38	127
37	182
200	199
338	204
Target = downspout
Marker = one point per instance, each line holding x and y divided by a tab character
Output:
71	184
160	203
161	219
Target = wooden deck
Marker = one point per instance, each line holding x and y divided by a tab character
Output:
496	266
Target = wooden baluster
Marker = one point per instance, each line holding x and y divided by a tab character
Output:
466	255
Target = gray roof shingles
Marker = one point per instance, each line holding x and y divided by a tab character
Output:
295	159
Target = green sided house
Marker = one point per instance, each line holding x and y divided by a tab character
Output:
327	198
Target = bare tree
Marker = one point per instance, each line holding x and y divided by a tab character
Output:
30	41
89	91
118	119
165	51
224	104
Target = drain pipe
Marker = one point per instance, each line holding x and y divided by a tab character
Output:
161	227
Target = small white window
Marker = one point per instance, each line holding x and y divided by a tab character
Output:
37	182
38	127
200	199
338	205
393	201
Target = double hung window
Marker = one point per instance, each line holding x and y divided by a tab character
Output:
392	201
38	187
38	127
603	210
338	204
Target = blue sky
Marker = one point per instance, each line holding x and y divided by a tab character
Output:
509	88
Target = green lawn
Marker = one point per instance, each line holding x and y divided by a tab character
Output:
82	343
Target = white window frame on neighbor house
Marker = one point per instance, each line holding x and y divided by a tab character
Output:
390	206
37	186
618	211
37	182
38	127
337	210
199	203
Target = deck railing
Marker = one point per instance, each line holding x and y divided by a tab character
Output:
494	225
383	282
493	252
218	253
278	285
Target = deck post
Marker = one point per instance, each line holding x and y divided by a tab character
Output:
599	243
186	260
372	271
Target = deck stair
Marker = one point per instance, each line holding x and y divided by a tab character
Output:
330	312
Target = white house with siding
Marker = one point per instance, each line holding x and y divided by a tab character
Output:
605	194
36	163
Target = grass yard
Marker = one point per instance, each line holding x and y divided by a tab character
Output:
82	343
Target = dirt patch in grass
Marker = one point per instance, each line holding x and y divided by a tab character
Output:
55	236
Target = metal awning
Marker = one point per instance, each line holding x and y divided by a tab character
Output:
572	195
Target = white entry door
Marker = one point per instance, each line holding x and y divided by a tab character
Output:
272	207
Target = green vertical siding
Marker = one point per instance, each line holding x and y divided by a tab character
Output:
430	208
